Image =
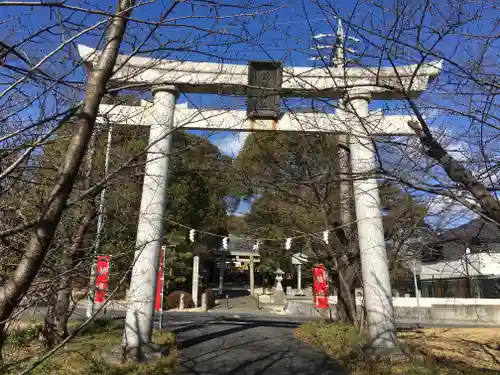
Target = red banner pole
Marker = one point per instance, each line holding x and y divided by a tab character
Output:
320	286
159	283
102	276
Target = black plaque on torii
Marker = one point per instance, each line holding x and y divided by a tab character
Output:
264	81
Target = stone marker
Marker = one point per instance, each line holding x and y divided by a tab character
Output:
196	279
204	305
181	302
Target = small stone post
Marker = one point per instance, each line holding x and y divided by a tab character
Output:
181	302
252	276
204	305
221	275
196	277
299	278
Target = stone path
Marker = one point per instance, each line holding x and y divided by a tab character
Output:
242	302
247	345
238	300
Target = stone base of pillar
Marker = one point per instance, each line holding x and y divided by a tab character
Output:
395	353
120	354
279	297
325	314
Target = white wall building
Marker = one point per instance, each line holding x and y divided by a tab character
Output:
465	262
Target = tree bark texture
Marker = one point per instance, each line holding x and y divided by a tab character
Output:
455	170
43	232
57	328
60	311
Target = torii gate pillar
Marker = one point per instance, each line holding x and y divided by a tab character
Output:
373	254
150	230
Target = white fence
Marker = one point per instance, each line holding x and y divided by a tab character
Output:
428	302
466	311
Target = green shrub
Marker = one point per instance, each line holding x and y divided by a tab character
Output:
173	299
98	325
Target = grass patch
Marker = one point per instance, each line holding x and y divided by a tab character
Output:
345	344
341	341
23	335
82	355
97	326
472	347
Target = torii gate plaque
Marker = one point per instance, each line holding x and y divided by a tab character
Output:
355	86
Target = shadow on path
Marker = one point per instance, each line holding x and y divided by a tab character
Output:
235	293
231	346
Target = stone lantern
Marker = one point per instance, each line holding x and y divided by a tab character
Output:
279	278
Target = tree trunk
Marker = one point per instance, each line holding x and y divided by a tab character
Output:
43	232
455	170
60	312
61	308
49	329
346	294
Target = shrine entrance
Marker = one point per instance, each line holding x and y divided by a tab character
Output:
263	83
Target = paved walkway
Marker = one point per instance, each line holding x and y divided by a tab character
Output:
240	300
247	345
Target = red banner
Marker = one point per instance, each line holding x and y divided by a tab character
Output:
159	283
102	276
320	286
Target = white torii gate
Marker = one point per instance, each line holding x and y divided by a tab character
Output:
355	86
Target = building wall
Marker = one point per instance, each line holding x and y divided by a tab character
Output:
461	275
477	264
489	263
452	288
455	250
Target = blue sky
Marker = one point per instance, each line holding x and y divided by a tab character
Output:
281	35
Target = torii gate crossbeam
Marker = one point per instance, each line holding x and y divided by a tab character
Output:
222	78
355	86
376	124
